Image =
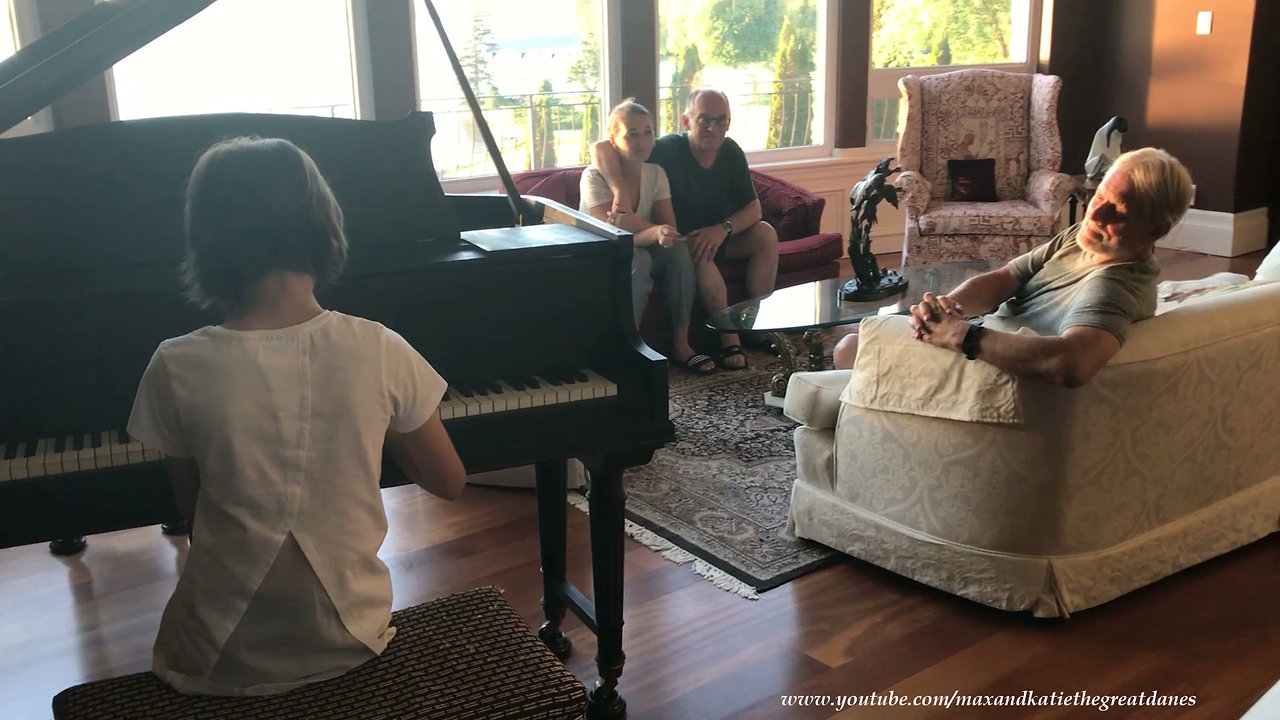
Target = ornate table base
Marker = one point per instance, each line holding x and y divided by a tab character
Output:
777	393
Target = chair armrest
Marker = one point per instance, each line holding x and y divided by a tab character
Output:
813	398
1049	190
913	190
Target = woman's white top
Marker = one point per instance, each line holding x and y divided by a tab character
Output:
654	186
286	428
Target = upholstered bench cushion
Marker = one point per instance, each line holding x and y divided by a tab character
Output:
1007	217
462	656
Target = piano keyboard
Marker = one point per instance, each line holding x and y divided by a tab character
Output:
91	451
114	448
528	391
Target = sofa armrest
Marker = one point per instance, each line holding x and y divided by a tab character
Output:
914	190
813	398
1049	190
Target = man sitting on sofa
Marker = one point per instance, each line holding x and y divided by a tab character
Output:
715	205
1079	293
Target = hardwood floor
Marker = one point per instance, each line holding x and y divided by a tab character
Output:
696	652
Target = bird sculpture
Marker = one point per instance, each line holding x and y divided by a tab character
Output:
870	282
1105	149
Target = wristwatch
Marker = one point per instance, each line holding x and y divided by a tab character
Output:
728	228
969	345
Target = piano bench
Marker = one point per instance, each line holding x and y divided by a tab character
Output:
467	655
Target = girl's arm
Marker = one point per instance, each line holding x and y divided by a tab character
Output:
184	478
428	458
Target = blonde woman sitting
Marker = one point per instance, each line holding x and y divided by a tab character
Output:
659	255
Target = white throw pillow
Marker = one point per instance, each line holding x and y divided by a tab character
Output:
1269	270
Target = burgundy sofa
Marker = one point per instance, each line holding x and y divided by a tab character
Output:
804	253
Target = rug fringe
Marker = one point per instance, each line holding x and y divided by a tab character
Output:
677	555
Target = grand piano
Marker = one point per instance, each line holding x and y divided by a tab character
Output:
535	335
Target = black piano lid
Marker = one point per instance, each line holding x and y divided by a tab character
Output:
111	196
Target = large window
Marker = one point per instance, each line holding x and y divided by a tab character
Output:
281	56
768	56
8	31
922	37
539	83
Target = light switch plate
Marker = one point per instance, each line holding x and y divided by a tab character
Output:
1204	22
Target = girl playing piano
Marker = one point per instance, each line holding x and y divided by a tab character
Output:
273	424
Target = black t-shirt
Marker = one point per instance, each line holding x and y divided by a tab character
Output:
700	196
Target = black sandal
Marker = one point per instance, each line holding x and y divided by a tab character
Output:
729	351
695	363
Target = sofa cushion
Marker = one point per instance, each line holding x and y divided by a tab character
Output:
792	210
1007	217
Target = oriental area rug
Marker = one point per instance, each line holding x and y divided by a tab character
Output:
717	497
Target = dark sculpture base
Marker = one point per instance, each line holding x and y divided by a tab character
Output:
890	283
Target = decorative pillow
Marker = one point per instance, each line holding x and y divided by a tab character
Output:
1269	270
894	372
972	180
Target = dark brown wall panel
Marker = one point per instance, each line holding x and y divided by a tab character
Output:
853	61
1071	50
1258	161
1184	92
639	52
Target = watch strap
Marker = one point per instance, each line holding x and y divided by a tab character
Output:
969	345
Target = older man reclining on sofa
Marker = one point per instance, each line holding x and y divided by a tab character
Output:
1080	292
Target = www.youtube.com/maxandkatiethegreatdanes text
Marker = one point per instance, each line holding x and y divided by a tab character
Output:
1028	698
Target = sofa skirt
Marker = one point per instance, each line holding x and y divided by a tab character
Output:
1047	585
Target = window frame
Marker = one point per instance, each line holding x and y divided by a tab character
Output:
26	28
882	83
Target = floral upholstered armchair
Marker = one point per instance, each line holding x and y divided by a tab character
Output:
998	133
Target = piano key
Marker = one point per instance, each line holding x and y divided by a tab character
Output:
35	461
101	451
601	386
18	465
66	451
118	451
135	451
519	398
85	453
4	462
9	451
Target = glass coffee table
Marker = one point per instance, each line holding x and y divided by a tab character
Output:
814	306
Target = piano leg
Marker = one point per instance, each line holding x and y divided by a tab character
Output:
607	501
551	478
176	527
67	546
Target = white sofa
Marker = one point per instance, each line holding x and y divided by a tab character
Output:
1168	457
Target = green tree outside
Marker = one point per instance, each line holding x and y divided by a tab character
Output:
585	73
923	33
542	140
791	102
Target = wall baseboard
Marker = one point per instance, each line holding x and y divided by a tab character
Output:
1219	233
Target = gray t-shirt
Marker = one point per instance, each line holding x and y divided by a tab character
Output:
1061	289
